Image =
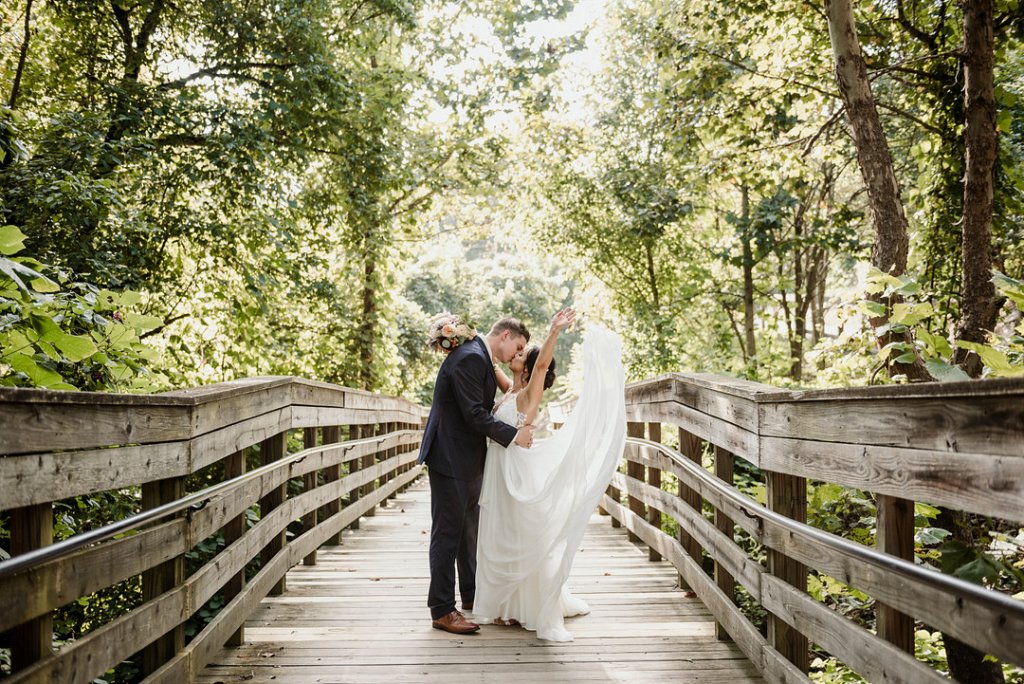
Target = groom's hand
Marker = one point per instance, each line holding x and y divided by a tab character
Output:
524	437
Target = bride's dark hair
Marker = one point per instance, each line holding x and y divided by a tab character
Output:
531	361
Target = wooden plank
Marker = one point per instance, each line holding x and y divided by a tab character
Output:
787	495
45	587
981	483
692	448
234	466
272	449
31	640
986	619
766	659
309	482
31	479
742	442
331	435
60	423
871	657
724	464
718	544
232	616
163	577
895	536
979	424
654	480
634	470
347	632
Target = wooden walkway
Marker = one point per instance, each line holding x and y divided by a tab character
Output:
360	615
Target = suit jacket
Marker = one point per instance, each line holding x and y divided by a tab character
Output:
460	421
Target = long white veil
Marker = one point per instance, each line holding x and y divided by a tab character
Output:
532	533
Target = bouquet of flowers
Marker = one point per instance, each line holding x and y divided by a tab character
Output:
447	331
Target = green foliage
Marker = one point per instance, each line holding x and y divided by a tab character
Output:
60	334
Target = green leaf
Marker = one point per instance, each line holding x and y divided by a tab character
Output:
1004	119
992	358
981	569
936	343
908	357
39	376
872	308
944	372
12	240
44	285
75	347
141	322
911	314
930	535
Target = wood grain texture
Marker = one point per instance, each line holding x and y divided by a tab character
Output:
338	623
980	483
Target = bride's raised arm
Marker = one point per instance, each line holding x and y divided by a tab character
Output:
529	400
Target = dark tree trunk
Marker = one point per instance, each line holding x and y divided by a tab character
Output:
6	144
979	305
12	102
889	252
369	326
748	281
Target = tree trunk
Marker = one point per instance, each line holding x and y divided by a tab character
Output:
12	102
979	305
889	252
369	332
6	143
748	280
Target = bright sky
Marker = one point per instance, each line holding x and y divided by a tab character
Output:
578	68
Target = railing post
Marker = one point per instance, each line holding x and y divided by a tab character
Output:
332	435
163	577
309	481
654	480
692	447
895	535
724	462
370	430
386	428
787	495
635	471
393	451
31	528
354	432
271	450
234	466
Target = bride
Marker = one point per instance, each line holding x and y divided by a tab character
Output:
535	503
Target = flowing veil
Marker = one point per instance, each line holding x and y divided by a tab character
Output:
538	501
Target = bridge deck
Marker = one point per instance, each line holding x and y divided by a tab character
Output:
359	615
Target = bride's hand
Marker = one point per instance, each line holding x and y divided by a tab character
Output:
563	319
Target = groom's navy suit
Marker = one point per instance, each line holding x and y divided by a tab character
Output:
454	446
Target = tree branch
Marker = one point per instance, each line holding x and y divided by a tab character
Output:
229	70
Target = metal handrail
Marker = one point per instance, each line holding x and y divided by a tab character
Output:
930	577
194	501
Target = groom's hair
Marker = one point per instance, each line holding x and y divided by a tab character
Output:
514	325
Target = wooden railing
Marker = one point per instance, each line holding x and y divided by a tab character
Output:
957	445
357	450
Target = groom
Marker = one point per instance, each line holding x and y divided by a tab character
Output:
454	445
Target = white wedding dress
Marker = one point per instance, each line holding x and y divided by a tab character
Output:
535	503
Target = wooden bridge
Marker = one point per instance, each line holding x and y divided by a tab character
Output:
294	507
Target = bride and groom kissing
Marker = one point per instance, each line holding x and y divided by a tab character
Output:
507	512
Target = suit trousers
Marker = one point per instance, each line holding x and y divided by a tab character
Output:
455	517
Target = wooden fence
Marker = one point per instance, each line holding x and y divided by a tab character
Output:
357	450
957	445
